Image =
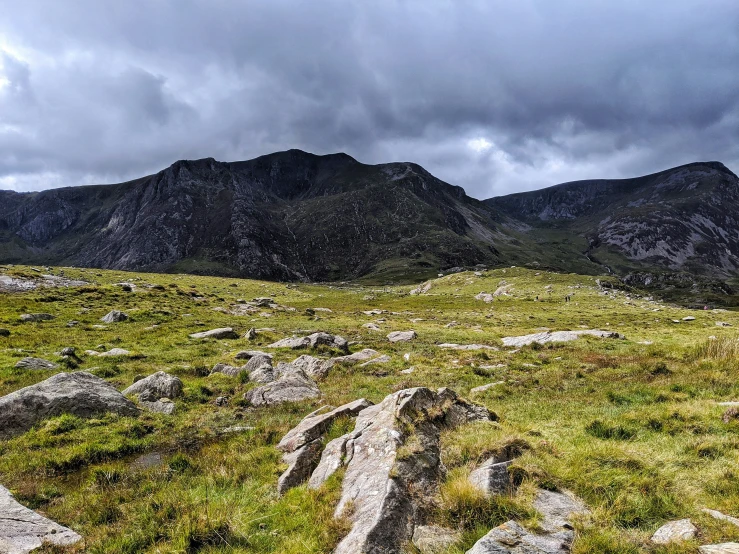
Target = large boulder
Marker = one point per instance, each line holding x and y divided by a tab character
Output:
155	386
114	316
23	530
35	363
386	494
292	385
80	393
313	341
221	333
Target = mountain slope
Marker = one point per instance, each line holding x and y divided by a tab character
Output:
682	219
289	215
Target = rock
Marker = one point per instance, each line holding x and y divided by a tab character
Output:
80	393
249	354
379	360
260	369
221	401
452	346
483	388
72	323
361	356
251	334
36	317
23	530
110	353
731	413
723	548
313	341
431	539
292	385
557	509
302	445
492	477
485	297
371	327
721	517
35	363
689	318
385	494
226	369
68	351
162	406
722	324
401	336
557	336
159	385
4	333
421	289
675	531
221	333
114	316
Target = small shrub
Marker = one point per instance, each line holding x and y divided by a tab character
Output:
598	429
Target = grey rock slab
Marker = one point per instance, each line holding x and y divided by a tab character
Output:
35	363
387	493
109	353
23	530
675	531
492	477
385	358
557	509
80	393
260	369
221	333
512	538
36	317
292	385
313	340
483	388
557	336
432	539
301	463
723	548
162	406
401	336
249	354
226	369
114	316
158	385
722	517
452	346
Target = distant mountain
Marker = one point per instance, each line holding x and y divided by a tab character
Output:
296	216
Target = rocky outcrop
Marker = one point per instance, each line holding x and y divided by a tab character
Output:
313	341
557	509
302	446
221	333
80	393
155	386
292	385
260	369
35	363
393	467
557	336
23	530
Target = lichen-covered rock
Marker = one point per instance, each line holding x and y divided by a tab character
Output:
80	393
675	531
158	385
292	385
260	369
226	369
388	493
221	333
23	530
313	341
162	406
35	363
401	336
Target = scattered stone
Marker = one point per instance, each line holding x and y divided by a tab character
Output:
292	385
313	341
221	401
37	317
421	289
452	346
23	530
4	333
401	336
222	333
162	406
383	493
110	353
249	354
431	539
722	324
251	334
79	393
371	327
408	371
260	369
379	360
557	336
689	318
723	548
302	445
483	388
485	297
675	531
158	385
451	324
325	310
236	429
114	316
68	351
721	517
731	413
35	363
72	323
226	369
492	476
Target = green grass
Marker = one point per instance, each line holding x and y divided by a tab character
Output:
631	426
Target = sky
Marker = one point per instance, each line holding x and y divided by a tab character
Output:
496	96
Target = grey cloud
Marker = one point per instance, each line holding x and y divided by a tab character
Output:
559	90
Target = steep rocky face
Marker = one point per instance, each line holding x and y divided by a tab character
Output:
289	215
684	218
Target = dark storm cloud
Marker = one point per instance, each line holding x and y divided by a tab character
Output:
495	96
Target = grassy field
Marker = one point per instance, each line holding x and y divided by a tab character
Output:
632	426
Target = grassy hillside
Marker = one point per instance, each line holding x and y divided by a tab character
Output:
632	426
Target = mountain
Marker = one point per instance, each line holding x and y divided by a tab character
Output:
297	216
289	216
